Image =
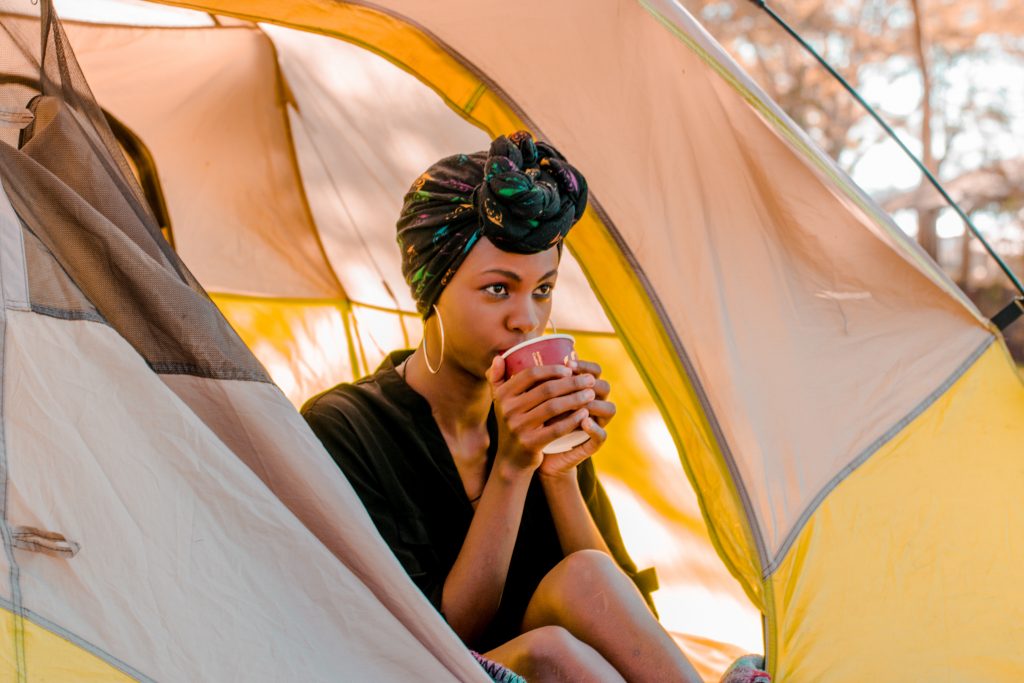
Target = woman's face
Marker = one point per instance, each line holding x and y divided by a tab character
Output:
495	300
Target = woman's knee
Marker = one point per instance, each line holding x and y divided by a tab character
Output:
586	568
571	586
550	644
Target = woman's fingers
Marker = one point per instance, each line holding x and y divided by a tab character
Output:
560	428
551	389
560	405
523	381
586	367
601	411
496	373
597	437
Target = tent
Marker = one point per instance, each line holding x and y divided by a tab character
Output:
847	418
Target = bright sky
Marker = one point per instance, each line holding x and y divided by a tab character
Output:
885	167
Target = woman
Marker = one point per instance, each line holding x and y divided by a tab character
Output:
519	551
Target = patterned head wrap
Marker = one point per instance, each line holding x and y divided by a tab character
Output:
522	195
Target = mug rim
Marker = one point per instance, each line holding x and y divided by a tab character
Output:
543	337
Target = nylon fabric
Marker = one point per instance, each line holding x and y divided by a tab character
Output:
70	198
356	174
411	49
211	109
191	563
303	345
658	512
781	327
914	557
12	256
52	658
789	286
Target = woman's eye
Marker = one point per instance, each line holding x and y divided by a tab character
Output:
544	290
496	289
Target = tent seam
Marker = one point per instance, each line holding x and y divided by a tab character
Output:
826	166
285	91
68	314
752	526
81	642
12	243
14	572
752	521
873	448
474	99
630	258
691	374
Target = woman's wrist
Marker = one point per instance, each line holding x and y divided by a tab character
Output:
510	472
560	481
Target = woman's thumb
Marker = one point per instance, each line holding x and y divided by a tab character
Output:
496	373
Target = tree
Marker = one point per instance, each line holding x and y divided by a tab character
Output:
872	41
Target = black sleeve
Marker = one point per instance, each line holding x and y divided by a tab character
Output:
604	516
354	455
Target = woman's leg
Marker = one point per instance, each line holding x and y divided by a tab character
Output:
587	594
550	653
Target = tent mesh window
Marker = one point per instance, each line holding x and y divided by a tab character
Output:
94	249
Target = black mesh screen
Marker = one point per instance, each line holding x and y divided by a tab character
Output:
93	248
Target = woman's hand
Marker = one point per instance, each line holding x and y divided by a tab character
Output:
601	409
600	412
527	401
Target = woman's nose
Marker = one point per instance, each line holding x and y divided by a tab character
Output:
524	319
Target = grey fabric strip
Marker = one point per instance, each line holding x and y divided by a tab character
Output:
12	256
67	635
6	279
871	450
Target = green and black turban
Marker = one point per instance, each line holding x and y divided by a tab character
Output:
522	195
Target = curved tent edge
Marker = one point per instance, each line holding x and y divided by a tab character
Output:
454	80
796	137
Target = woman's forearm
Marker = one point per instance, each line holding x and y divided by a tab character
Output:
573	521
473	588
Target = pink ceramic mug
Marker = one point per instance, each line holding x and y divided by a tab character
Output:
550	349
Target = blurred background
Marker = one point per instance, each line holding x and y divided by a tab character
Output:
947	75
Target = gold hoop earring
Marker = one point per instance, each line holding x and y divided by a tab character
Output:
426	356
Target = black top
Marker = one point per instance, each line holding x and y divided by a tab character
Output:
382	435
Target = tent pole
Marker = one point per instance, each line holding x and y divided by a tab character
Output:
928	174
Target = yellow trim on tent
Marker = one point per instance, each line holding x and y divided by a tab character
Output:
655	357
49	657
301	342
894	562
618	287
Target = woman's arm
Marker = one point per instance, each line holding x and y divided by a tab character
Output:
559	475
473	588
573	522
523	404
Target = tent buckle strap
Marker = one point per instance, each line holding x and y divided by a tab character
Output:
1013	310
16	118
40	541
